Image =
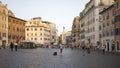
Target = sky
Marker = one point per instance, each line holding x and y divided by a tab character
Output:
60	12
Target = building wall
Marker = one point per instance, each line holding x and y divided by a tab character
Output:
68	38
54	34
107	25
117	24
16	29
75	31
38	31
65	36
90	17
3	25
90	21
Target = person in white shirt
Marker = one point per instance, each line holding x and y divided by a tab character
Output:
61	48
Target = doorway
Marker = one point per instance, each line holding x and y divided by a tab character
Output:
3	43
107	46
117	45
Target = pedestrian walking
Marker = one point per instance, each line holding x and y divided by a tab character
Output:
61	48
71	47
11	46
88	48
89	44
16	46
103	48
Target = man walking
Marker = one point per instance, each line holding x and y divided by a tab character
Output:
88	46
16	45
11	46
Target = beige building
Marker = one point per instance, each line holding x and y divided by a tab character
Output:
3	25
54	34
76	31
106	27
89	21
41	32
16	29
117	24
66	38
38	31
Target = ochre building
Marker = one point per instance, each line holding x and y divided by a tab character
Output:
16	29
3	25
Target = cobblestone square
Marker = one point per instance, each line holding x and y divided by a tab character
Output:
43	58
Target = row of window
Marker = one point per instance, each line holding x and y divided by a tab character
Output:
15	37
107	33
10	36
104	17
90	30
17	29
2	34
88	23
107	16
108	23
32	29
35	22
104	34
46	39
117	31
15	21
37	29
36	34
91	37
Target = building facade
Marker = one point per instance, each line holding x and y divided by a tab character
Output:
3	25
65	38
76	31
89	21
117	24
41	32
107	35
16	29
54	34
68	38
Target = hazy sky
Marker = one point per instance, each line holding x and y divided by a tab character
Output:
60	12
